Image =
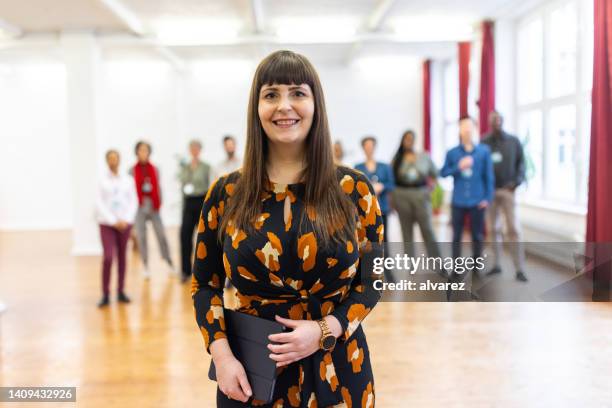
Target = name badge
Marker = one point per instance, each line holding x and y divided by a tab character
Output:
497	157
413	174
467	173
188	188
147	187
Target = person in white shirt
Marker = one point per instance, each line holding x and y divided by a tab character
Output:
231	163
116	207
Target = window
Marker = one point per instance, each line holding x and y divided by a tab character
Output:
451	104
554	80
560	153
530	60
530	128
561	48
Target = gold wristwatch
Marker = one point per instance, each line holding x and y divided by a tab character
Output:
328	340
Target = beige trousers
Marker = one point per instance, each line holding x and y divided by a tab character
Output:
504	203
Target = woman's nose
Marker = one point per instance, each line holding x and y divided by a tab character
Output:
284	104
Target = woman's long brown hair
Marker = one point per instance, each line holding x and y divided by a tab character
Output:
334	213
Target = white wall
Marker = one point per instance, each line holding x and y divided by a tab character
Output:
541	222
379	96
144	98
138	100
35	191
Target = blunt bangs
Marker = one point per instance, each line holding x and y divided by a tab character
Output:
286	68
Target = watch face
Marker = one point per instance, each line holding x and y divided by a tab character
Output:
329	342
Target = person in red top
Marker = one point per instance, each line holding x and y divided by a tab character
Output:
146	177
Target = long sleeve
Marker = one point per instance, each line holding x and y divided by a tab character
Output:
362	297
488	176
520	164
132	201
433	171
208	269
104	212
389	180
450	167
183	174
159	183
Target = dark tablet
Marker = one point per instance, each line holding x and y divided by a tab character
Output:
248	339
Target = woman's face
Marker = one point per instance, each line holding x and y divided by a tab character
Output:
143	153
338	152
112	160
408	141
286	112
368	147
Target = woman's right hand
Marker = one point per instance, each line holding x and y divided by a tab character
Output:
232	379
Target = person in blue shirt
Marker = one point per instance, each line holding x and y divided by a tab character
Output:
380	175
472	170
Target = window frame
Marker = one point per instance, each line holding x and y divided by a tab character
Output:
580	99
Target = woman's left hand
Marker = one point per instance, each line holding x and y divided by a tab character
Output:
297	344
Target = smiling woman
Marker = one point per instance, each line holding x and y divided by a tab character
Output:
286	112
289	230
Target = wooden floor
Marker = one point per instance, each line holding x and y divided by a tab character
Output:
150	353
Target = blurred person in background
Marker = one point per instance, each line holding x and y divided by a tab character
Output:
146	177
414	174
195	179
509	166
379	174
338	153
116	206
232	161
471	167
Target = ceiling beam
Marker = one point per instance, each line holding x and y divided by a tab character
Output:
133	22
373	22
127	16
380	37
377	17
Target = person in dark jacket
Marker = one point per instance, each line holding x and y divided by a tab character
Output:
509	166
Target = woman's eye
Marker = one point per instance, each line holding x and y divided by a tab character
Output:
299	93
269	95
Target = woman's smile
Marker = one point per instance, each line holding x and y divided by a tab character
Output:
286	112
285	123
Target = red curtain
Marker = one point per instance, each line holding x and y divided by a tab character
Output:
427	105
486	101
464	77
599	216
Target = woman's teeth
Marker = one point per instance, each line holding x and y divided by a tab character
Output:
286	122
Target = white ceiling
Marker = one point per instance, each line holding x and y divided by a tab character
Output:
256	24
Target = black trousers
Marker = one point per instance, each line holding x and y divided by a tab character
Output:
192	206
477	216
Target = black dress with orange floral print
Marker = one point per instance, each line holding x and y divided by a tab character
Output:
283	270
